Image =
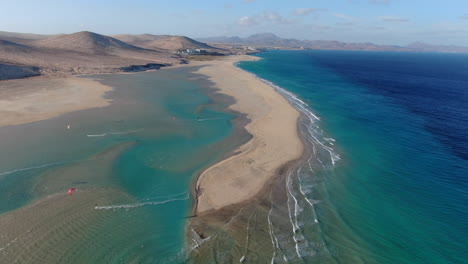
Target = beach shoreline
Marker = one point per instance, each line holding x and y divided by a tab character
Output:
275	139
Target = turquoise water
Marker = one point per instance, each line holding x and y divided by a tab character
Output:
387	180
162	128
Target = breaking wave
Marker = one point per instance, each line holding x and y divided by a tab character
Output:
300	184
321	144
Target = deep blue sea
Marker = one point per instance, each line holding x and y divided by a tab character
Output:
388	181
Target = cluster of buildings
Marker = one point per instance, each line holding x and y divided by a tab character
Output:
192	52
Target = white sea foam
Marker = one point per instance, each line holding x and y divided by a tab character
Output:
312	127
115	133
126	132
310	165
293	222
247	238
272	235
136	205
324	157
32	168
198	240
97	135
309	201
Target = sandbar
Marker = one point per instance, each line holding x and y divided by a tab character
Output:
29	100
275	140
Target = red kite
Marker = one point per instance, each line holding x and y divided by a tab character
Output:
70	192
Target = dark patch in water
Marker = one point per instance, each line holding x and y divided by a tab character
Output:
139	68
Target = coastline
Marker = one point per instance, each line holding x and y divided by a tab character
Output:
272	147
270	120
275	139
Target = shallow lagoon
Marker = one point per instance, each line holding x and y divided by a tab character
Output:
160	130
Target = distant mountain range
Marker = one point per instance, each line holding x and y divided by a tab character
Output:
23	55
269	40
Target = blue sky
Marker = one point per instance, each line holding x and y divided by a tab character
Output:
379	21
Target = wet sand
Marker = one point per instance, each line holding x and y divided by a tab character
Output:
29	100
57	226
275	138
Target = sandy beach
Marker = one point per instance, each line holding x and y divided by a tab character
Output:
29	100
275	138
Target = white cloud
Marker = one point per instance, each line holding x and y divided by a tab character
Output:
247	21
465	16
306	11
248	1
228	5
271	16
262	18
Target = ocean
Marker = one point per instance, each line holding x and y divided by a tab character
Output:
383	179
386	181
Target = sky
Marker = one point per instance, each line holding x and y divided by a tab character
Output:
398	22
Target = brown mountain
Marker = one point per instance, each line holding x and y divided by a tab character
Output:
21	38
8	46
166	42
82	53
138	39
86	42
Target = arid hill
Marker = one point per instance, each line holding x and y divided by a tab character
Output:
21	38
8	46
86	42
166	42
138	39
81	53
